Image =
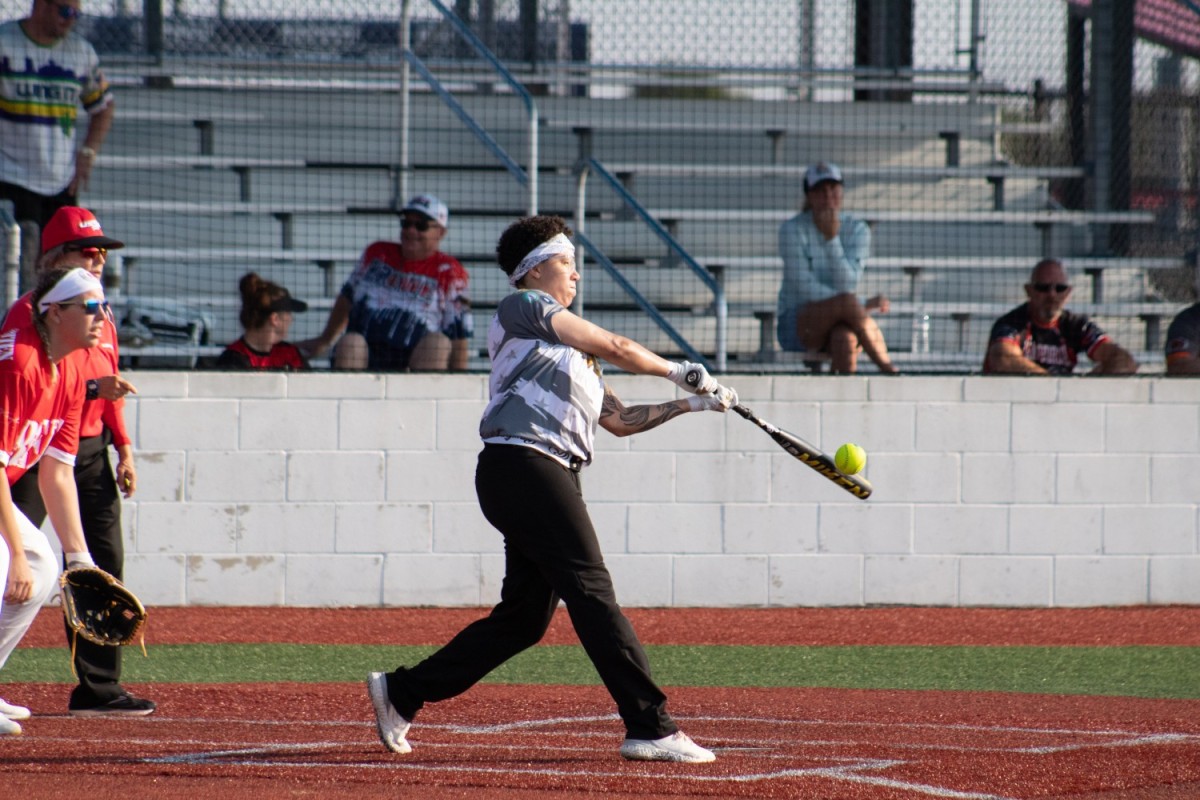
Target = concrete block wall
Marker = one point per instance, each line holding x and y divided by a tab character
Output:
335	490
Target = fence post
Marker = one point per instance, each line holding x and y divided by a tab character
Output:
12	253
152	10
400	186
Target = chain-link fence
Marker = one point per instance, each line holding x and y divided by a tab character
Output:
278	138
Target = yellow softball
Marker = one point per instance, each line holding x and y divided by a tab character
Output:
850	459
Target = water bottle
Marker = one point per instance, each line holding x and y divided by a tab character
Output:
920	333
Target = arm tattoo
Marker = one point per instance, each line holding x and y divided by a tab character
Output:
639	418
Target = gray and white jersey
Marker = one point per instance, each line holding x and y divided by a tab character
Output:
543	393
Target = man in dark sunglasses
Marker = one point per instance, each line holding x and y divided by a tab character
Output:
1041	337
404	307
48	155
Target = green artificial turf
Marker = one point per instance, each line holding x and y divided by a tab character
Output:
1161	672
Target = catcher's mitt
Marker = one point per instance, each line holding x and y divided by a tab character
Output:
99	608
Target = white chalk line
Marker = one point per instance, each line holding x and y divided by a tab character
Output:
534	726
853	773
854	770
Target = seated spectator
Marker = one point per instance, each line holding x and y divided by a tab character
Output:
405	305
824	251
1041	337
1183	342
266	316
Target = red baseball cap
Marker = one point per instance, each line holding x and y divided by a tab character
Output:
77	226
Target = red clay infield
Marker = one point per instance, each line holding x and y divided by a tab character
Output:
236	742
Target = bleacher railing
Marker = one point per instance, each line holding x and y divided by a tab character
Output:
720	305
12	252
526	177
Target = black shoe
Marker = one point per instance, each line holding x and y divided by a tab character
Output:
123	705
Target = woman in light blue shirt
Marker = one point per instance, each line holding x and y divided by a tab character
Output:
824	251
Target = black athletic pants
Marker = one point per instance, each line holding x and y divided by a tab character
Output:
98	666
29	205
551	552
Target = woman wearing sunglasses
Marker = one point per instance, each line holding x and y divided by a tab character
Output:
73	238
42	393
405	305
1040	337
48	155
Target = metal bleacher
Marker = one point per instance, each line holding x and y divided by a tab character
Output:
205	181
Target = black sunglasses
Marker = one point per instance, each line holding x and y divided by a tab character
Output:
1061	288
420	224
90	307
67	12
91	252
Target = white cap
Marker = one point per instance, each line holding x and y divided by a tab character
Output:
430	206
819	172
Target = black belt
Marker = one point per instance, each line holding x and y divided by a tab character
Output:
573	464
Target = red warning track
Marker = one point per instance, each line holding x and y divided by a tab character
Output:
252	742
1169	625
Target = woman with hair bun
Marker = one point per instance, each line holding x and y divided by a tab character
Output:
267	310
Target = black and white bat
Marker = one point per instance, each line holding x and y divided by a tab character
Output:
808	454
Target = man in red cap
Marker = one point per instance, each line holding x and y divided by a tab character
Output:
73	238
44	162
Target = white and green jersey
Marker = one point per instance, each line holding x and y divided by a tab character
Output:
41	90
543	394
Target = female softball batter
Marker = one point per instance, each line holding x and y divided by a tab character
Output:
547	396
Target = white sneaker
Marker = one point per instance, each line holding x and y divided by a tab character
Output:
676	747
391	726
13	712
9	727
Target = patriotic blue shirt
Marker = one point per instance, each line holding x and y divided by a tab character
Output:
395	302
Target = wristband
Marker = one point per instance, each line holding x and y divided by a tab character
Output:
93	389
83	558
87	152
696	403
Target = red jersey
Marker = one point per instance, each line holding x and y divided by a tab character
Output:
40	404
283	356
92	362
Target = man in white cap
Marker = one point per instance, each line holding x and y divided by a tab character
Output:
405	305
824	251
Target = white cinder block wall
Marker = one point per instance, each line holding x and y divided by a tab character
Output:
339	490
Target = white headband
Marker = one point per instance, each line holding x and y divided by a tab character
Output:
76	282
559	245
